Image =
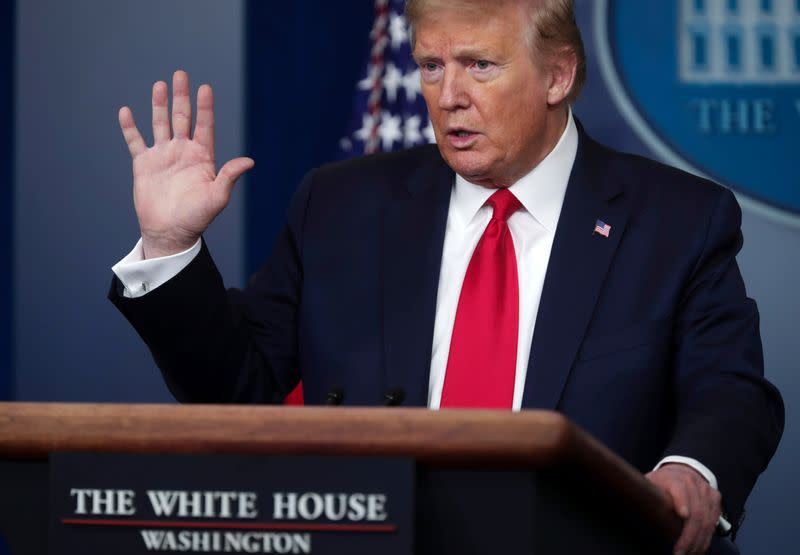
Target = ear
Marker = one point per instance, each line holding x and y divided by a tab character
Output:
563	68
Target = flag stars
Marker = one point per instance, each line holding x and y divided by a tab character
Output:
412	85
411	131
392	80
373	73
390	130
428	132
367	124
398	30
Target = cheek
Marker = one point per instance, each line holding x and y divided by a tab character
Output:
431	96
520	108
509	117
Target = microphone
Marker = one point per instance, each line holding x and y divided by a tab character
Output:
394	397
335	396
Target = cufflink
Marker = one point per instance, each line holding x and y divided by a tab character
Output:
724	527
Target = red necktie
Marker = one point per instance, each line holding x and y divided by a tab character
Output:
483	351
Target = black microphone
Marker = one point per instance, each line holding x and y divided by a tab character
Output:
335	396
394	397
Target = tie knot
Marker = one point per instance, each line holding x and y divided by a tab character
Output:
504	203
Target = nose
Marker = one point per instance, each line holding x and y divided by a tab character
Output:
454	94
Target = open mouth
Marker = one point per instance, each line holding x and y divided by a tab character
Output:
460	132
461	138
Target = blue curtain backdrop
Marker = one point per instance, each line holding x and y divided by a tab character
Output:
6	194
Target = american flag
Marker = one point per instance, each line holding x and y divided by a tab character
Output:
602	228
389	112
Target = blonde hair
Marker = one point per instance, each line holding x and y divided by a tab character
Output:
552	27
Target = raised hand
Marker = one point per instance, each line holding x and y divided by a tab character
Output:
177	190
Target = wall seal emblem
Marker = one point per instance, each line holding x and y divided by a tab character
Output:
713	87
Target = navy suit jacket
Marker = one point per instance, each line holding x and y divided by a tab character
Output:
645	338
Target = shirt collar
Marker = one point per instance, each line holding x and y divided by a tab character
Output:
541	191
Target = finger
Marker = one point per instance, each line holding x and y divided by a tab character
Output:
704	512
706	543
681	501
713	512
204	128
230	173
130	133
161	132
181	105
694	528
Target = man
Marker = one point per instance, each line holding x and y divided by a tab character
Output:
516	264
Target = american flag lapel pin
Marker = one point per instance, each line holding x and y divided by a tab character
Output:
602	228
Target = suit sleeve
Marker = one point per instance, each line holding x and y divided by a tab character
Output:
218	346
729	416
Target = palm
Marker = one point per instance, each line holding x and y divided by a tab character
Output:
177	190
173	185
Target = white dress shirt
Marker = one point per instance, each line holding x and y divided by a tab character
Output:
532	227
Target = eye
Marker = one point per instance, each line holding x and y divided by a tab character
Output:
483	70
430	71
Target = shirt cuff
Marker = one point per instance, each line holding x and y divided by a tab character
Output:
692	463
140	276
704	471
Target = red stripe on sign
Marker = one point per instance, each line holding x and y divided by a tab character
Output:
371	528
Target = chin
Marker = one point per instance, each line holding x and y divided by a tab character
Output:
468	165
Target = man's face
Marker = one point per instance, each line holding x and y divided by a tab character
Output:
486	95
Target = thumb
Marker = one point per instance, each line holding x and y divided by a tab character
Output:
230	172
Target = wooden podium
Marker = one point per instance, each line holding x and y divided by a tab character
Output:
487	481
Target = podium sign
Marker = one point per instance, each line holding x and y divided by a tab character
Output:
240	479
134	504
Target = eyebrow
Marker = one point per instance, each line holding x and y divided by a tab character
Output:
459	53
473	53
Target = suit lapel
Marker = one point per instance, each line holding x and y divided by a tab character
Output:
414	226
577	268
